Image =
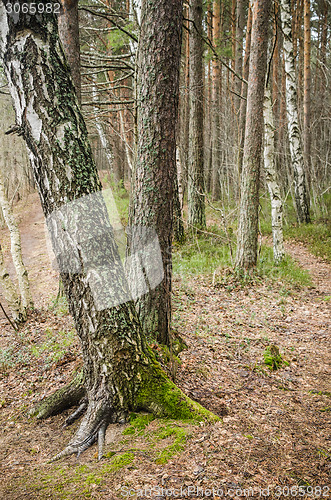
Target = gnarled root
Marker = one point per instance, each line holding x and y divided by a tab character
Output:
62	399
77	413
92	428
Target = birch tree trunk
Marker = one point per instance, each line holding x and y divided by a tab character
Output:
271	178
120	371
242	110
10	294
248	217
196	197
16	249
300	188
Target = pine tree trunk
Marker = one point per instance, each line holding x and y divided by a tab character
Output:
120	371
239	52
271	178
69	36
300	189
184	111
16	249
215	114
307	85
196	197
153	179
248	216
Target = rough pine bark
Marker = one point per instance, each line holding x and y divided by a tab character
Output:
215	113
240	20
69	36
300	188
153	178
248	217
196	197
120	371
307	84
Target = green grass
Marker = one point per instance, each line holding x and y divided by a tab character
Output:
203	255
288	271
316	236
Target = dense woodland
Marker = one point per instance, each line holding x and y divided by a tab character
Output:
180	153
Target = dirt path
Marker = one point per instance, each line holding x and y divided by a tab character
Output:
319	270
42	276
275	427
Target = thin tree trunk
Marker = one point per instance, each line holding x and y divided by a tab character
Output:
184	112
179	232
16	249
239	52
215	121
248	217
153	179
307	86
10	294
102	135
196	200
300	189
121	374
271	178
242	111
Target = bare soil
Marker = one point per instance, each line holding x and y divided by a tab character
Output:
274	428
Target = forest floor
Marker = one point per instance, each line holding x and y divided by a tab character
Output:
274	428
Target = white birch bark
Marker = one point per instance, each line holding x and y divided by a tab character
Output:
10	293
300	190
271	178
16	248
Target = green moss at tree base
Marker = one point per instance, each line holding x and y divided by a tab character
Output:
163	398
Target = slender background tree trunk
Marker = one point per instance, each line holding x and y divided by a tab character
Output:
300	188
248	216
196	197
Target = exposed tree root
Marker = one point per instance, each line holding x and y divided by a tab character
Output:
60	400
101	440
77	413
93	427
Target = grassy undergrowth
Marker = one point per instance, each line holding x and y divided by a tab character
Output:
316	236
208	255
